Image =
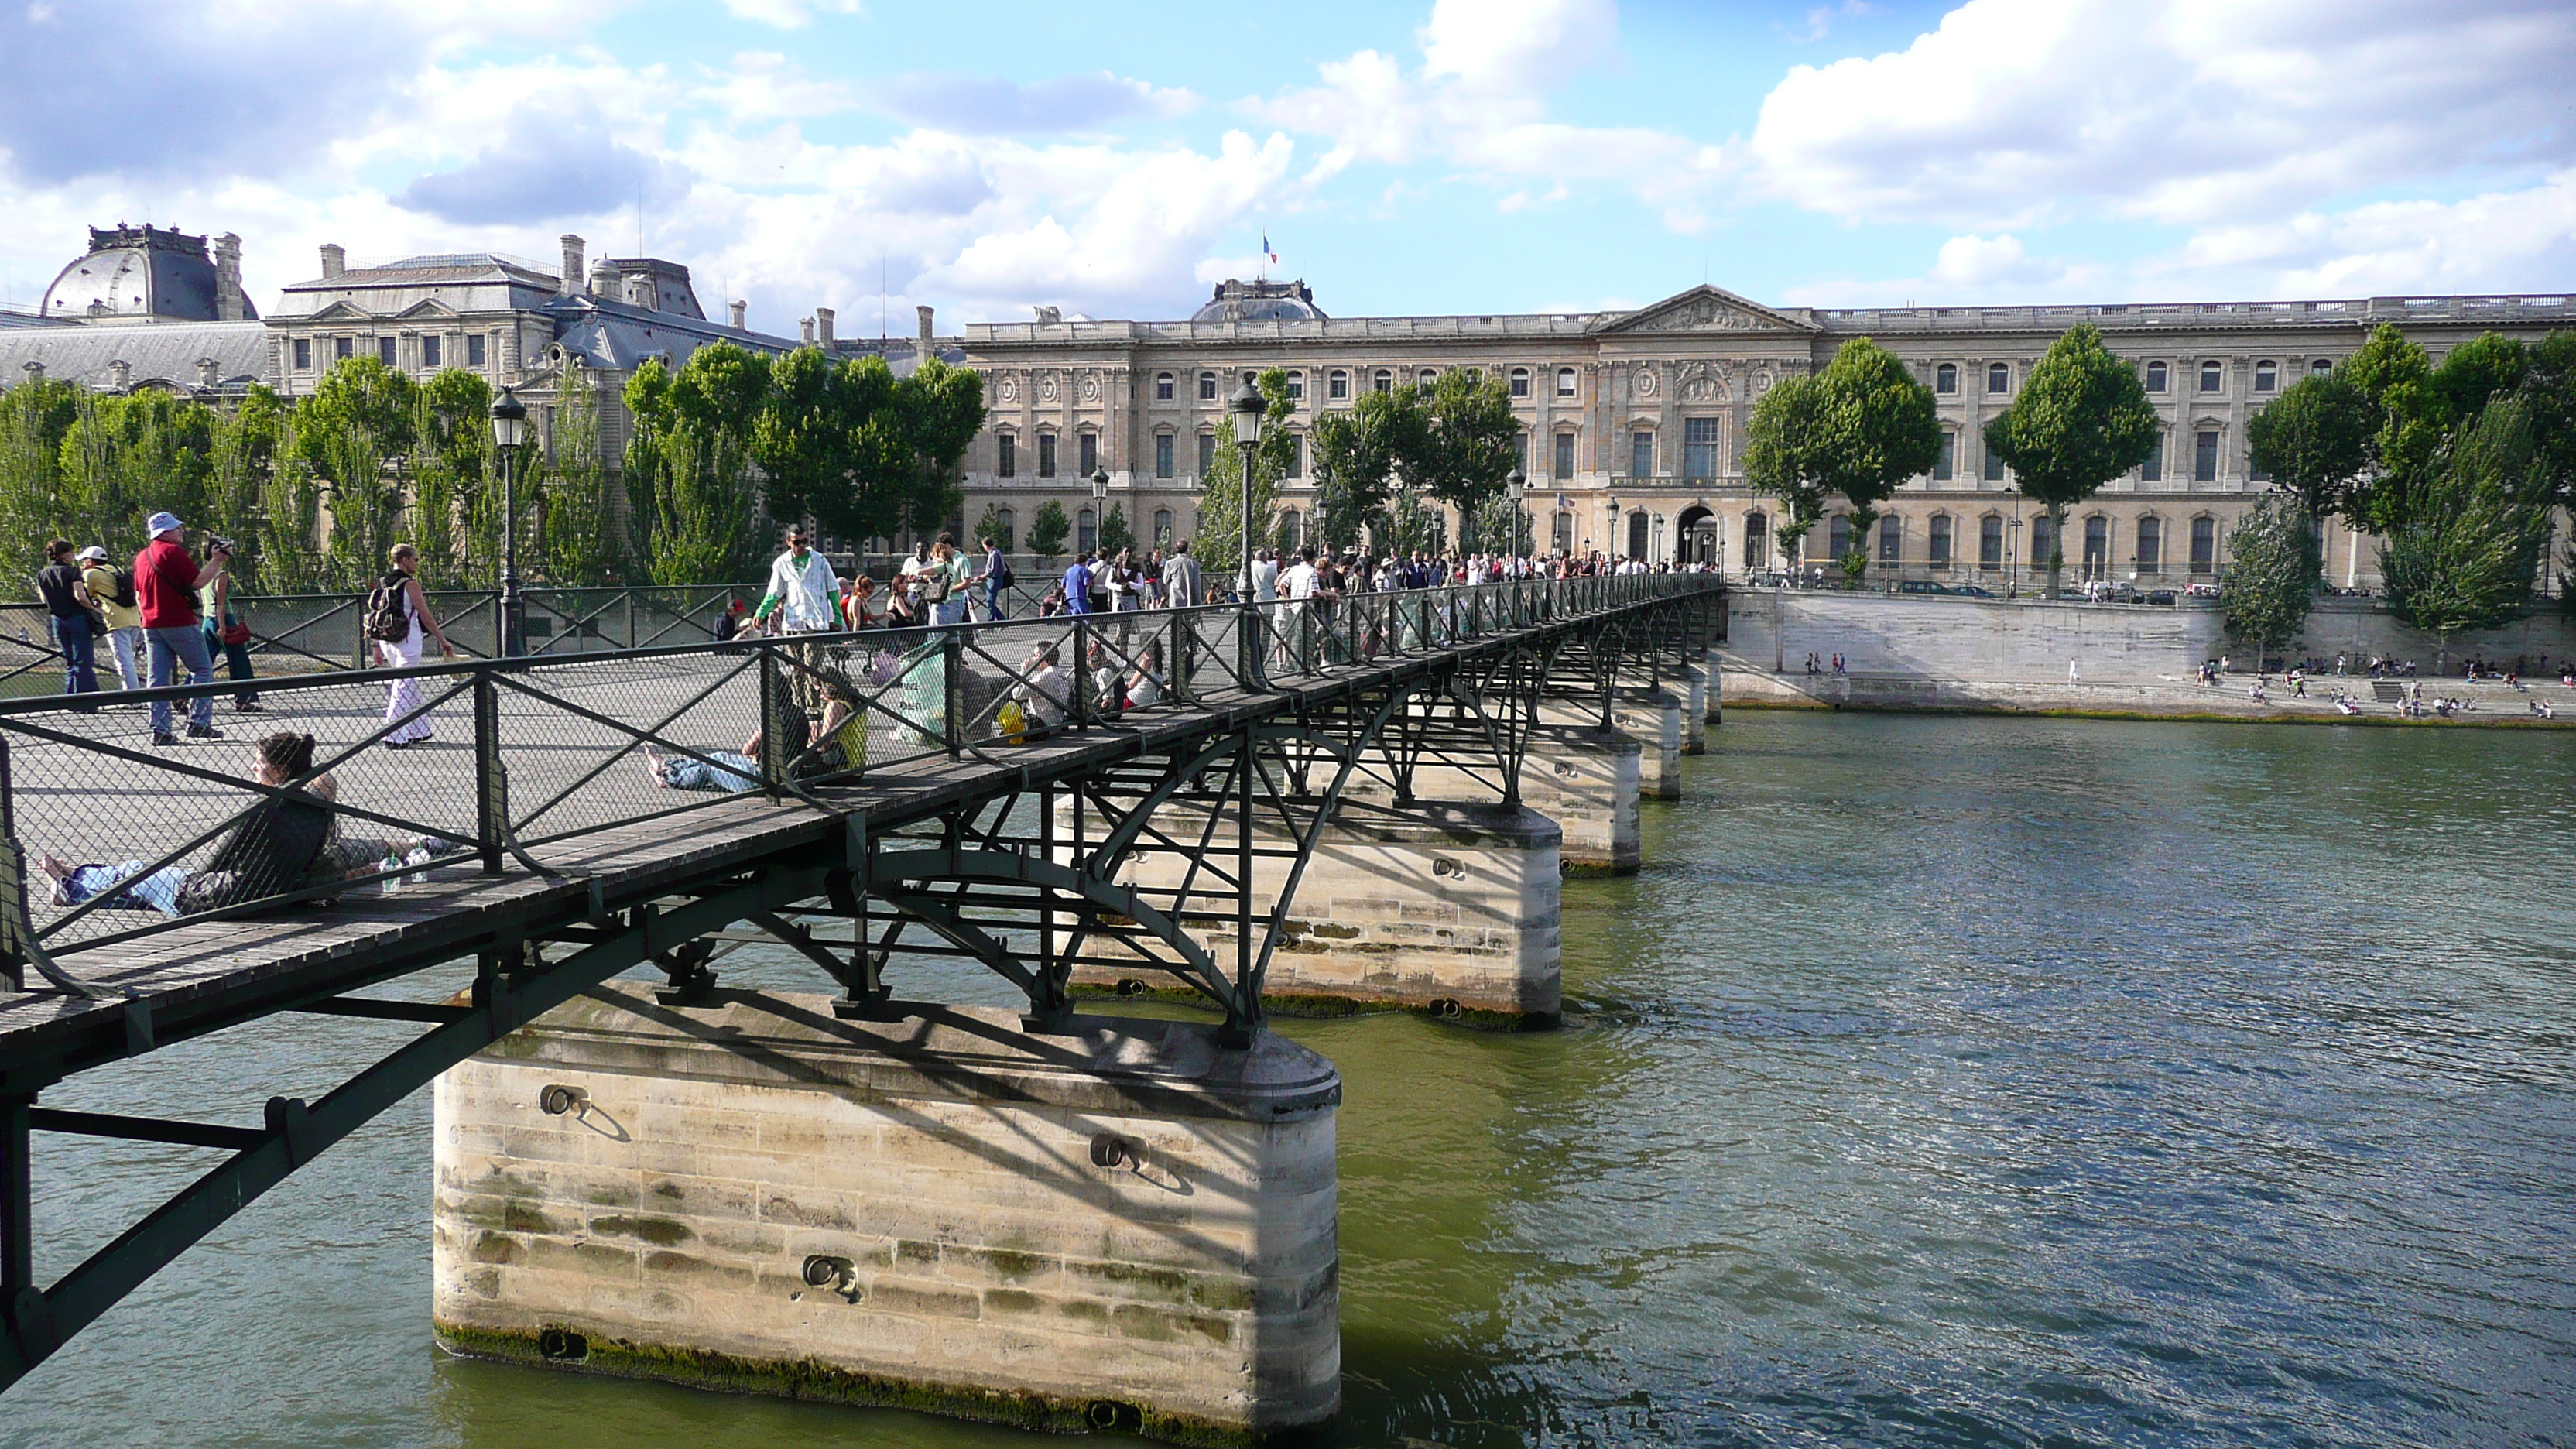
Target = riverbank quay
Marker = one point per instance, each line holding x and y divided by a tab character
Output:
2492	705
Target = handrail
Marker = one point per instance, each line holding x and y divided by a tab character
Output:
556	747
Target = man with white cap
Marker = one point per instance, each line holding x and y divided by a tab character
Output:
114	593
166	581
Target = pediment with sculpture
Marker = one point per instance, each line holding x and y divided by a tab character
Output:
1707	309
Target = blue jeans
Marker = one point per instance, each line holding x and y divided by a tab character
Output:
80	655
170	649
134	891
994	594
740	772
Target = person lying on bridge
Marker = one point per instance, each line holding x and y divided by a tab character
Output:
272	851
842	737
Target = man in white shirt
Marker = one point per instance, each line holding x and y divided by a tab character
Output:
1182	588
1297	585
805	595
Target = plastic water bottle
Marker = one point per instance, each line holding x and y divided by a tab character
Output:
390	864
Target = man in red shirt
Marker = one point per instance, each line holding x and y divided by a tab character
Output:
166	581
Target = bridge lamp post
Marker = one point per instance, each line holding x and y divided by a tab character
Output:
509	432
1616	517
1519	482
1099	504
1248	407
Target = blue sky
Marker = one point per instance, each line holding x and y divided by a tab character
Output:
1504	155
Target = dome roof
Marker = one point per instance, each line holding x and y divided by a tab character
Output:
145	271
1256	301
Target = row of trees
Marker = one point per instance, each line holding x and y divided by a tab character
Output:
315	491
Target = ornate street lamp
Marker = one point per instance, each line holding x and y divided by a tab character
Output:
1615	518
509	432
1520	500
1248	407
1099	505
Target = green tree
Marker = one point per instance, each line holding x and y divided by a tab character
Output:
1219	546
354	432
862	453
2314	442
1784	456
691	456
124	457
2473	528
246	443
452	523
1859	428
576	535
2081	420
35	416
2271	578
1356	452
2408	423
1048	528
1502	525
991	529
2549	386
1115	532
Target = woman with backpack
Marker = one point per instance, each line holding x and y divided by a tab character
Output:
397	615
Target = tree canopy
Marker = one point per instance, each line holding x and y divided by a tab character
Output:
2271	578
1219	546
2314	442
1859	428
2081	420
2472	526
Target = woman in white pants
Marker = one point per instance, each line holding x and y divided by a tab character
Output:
404	653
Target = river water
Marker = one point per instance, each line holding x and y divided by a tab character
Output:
1940	1082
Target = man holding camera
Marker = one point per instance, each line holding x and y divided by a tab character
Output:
166	581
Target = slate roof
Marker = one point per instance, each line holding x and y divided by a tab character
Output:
165	352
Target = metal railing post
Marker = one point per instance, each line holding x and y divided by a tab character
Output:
777	752
1185	633
491	780
1080	693
952	668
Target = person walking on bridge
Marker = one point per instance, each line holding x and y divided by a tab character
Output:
405	604
68	609
805	595
166	581
1182	588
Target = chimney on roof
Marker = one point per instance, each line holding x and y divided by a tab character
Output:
335	260
639	290
206	377
603	280
230	304
123	372
740	312
805	330
572	253
823	325
35	372
924	314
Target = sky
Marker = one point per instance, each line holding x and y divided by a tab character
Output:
1459	156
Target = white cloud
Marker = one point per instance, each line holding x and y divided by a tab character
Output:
2016	112
791	14
989	106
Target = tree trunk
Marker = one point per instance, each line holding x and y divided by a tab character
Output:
2056	545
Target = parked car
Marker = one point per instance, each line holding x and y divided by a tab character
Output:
1973	592
1920	586
2200	591
2160	596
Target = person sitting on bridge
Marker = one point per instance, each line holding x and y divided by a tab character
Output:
1043	692
836	746
271	851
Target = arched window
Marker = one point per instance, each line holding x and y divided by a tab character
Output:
2043	542
1162	528
2321	366
2155	377
1945	378
1939	552
1296	387
1520	382
1207	387
1086	529
1162	387
2097	543
1757	540
1640	526
2267	375
1338	385
2204	545
1990	541
1998	378
1383	381
1891	539
1838	537
1427	376
1292	530
2212	377
1009	522
1565	382
2151	545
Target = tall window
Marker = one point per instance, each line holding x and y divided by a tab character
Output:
1163	455
1207	387
1998	378
2204	457
1757	540
1338	385
1699	447
2155	377
1046	455
1564	456
1838	537
1641	455
2321	366
1207	453
2097	543
2152	469
1994	472
1088	449
1162	387
1010	526
1945	378
2267	375
385	351
2151	545
1086	529
1520	452
1006	456
1565	382
2212	377
473	349
429	349
1639	523
342	346
1940	541
1163	529
1891	539
1564	532
1990	541
1945	464
1520	382
1292	530
1427	376
1296	387
2043	541
303	354
2204	545
1296	455
1383	381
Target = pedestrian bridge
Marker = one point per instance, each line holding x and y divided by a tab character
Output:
1153	839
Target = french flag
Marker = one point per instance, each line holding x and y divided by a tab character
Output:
1266	251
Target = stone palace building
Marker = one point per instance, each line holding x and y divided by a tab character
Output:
1633	421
